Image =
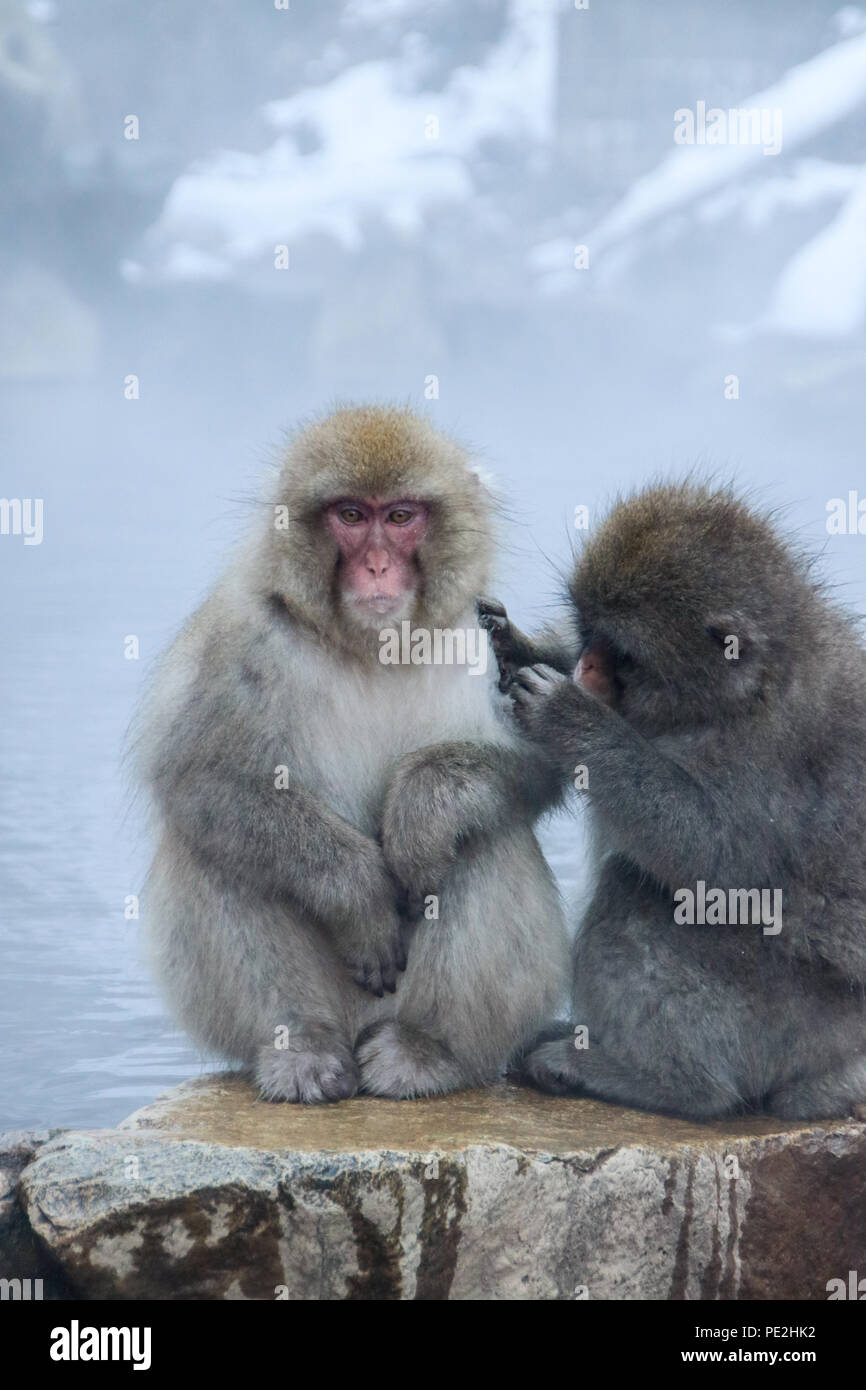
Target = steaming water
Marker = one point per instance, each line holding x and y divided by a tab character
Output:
573	385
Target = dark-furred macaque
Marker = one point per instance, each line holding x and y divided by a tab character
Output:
348	894
714	716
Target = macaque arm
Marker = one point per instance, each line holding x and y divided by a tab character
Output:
514	648
664	816
450	793
547	648
554	649
282	841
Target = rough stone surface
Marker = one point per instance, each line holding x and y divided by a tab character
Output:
22	1256
504	1194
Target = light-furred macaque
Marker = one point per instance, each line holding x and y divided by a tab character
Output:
347	893
717	717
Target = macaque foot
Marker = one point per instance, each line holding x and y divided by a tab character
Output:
399	1061
315	1067
558	1067
553	1066
827	1097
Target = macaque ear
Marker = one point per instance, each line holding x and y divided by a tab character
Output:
742	644
482	477
732	627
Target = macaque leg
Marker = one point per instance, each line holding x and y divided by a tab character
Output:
823	1097
499	921
267	990
558	1067
307	1053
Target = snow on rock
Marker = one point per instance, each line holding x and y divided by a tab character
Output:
381	148
811	97
821	292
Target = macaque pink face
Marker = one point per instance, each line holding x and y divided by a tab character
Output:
596	671
378	541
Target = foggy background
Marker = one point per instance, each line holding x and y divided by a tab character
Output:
430	172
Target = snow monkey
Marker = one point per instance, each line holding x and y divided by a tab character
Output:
347	892
716	720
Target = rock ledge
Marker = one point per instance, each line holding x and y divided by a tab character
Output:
209	1193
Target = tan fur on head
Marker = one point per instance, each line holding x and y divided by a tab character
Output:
387	452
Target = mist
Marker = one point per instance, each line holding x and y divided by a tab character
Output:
548	226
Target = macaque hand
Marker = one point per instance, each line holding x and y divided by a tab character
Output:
548	705
510	647
374	950
372	940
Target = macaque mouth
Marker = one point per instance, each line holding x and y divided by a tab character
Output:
381	602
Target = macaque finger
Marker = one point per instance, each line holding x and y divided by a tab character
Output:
369	978
533	680
491	613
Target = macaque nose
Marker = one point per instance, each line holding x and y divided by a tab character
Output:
587	664
593	672
377	562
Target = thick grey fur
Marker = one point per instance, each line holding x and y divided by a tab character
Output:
745	774
295	915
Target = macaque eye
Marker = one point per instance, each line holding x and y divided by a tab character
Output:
625	664
351	515
400	516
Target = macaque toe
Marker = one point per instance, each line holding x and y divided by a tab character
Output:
304	1076
398	1061
553	1067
